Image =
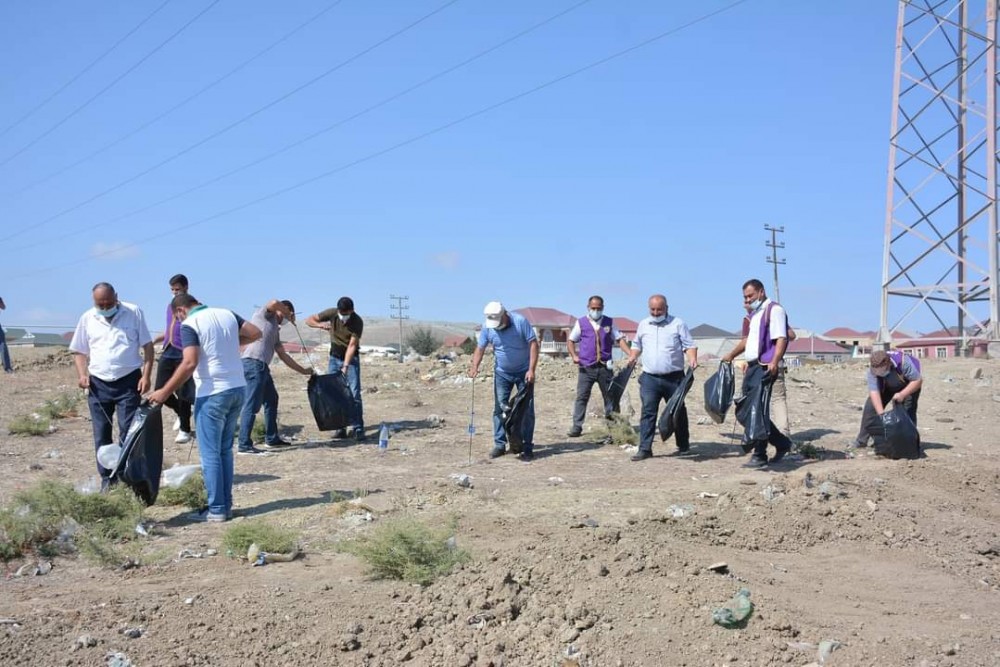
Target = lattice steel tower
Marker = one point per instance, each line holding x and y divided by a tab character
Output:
941	243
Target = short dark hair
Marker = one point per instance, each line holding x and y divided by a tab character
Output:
183	301
179	279
107	286
289	305
345	303
598	297
754	283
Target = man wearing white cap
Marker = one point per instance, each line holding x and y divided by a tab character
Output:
515	348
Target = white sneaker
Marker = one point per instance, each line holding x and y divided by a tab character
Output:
183	437
177	424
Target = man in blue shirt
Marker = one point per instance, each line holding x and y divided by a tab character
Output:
515	348
664	343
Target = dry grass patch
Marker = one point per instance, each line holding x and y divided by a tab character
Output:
408	550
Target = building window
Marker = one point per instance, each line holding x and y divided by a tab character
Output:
836	358
941	352
920	353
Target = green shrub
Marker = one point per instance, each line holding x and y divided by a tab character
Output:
274	539
61	406
191	493
621	432
33	424
423	341
407	550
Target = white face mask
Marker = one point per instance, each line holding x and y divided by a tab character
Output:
658	318
595	314
754	305
343	318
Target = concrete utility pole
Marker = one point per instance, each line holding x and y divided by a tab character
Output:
401	303
775	246
941	252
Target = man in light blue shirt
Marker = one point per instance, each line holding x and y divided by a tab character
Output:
664	343
515	348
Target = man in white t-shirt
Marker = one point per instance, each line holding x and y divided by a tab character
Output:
211	339
113	353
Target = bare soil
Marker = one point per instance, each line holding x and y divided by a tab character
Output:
576	554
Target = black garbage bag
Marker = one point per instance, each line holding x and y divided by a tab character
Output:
513	417
330	400
667	421
719	390
141	460
902	440
753	412
617	388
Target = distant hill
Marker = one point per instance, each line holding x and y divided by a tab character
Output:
382	331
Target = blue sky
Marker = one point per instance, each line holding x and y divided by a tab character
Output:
654	172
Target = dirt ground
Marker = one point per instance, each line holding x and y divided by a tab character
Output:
576	554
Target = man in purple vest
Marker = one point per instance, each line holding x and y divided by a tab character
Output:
181	401
767	338
596	335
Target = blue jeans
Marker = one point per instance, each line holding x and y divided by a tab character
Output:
215	422
4	352
354	384
104	398
503	384
259	391
653	389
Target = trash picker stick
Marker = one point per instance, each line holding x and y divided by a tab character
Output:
303	343
472	419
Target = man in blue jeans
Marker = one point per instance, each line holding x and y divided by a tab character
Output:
260	391
664	343
211	339
345	327
4	352
106	346
515	348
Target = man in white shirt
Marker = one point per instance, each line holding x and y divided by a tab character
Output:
665	344
211	339
106	345
767	339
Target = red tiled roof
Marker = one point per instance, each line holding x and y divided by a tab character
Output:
455	340
846	332
814	345
546	317
626	325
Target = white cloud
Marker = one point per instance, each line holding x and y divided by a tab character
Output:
446	260
113	251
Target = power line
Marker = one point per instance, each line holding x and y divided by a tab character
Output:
190	98
108	87
775	245
86	69
402	144
218	133
313	135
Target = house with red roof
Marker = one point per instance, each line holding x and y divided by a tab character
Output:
858	342
816	348
551	327
943	344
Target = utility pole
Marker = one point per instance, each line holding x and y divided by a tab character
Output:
401	303
775	245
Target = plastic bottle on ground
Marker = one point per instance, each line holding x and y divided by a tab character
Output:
383	439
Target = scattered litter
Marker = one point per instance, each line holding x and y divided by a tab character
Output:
54	454
141	530
434	421
680	511
175	476
190	601
736	612
555	481
721	567
629	449
779	568
89	487
703	420
34	569
706	494
9	621
585	523
212	552
829	490
118	660
772	493
872	505
481	620
826	647
133	633
108	455
461	480
801	646
84	641
257	557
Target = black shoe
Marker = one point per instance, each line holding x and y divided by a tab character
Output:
359	435
747	448
574	433
497	453
340	433
641	455
681	451
756	462
277	444
778	455
527	457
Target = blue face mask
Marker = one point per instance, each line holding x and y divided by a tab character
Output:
754	305
110	312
